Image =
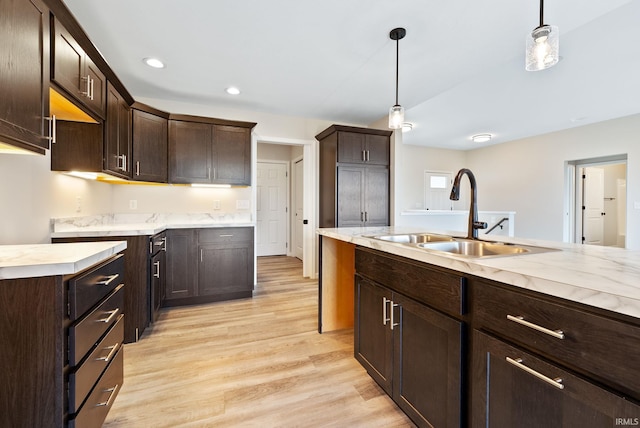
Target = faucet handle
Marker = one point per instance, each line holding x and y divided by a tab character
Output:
480	225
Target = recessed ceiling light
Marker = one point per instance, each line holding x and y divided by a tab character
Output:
481	138
407	126
232	90
153	62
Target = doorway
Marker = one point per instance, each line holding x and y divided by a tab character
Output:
271	208
600	196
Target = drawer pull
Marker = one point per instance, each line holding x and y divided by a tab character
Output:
113	350
558	334
393	324
557	382
112	394
109	279
226	236
112	314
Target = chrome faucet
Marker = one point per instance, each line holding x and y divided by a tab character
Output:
474	224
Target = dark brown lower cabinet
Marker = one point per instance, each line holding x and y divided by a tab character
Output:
209	264
513	388
412	351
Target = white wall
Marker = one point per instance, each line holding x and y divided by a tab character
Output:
527	176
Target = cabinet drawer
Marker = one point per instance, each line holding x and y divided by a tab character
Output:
440	289
84	378
84	334
95	409
86	290
227	234
595	345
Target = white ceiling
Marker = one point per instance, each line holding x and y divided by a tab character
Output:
461	63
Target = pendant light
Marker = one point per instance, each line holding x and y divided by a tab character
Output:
396	113
543	45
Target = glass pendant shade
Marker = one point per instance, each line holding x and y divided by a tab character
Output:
396	117
543	48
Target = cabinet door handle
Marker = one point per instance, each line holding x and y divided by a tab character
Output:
157	272
201	255
557	382
112	314
214	174
366	216
112	392
87	79
164	244
367	155
91	89
392	323
558	334
361	216
208	173
52	128
364	156
137	167
124	163
108	280
384	310
112	351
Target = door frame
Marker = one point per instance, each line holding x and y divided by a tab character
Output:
310	191
293	182
573	193
287	216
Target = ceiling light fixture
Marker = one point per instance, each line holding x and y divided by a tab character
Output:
543	45
407	126
481	138
396	113
153	62
232	90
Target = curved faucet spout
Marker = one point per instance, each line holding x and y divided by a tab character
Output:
474	224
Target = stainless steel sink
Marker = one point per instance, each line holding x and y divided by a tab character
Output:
414	238
471	248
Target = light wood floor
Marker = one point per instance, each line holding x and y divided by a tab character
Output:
250	363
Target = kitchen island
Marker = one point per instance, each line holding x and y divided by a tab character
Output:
61	332
546	339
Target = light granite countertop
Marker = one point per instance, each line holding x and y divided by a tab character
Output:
603	277
141	224
29	261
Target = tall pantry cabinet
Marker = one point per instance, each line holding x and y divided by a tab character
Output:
354	176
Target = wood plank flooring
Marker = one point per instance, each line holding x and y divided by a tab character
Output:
249	363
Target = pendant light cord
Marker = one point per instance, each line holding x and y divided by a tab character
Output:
541	12
397	66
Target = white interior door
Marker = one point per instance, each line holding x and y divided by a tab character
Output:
271	209
298	201
593	205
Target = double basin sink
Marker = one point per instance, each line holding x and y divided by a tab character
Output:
461	246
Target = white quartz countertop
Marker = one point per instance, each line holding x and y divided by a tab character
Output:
141	224
28	261
603	277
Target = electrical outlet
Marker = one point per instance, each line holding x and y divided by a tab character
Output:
216	204
78	204
242	204
133	204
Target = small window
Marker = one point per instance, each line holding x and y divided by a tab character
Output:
437	187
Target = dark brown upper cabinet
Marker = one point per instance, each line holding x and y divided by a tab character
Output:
117	136
354	176
24	74
75	72
210	151
149	145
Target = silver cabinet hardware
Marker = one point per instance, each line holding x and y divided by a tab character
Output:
364	156
557	382
157	266
108	280
111	395
112	351
112	314
52	128
215	174
137	167
201	255
361	216
366	216
124	163
87	79
367	159
226	236
208	173
164	244
558	334
384	310
91	89
393	324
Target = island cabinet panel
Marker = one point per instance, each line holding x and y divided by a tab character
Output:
75	72
354	177
149	147
24	74
515	388
201	150
411	348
